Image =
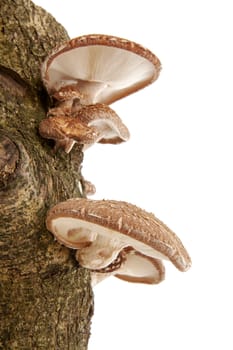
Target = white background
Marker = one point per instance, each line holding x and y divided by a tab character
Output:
177	164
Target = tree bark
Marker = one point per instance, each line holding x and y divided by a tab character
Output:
46	300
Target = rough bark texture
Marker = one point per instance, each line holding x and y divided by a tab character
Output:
46	301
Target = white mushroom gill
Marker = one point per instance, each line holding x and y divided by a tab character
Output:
106	243
106	129
137	266
99	63
101	253
107	232
71	235
106	68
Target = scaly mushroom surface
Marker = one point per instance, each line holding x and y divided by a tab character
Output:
65	131
88	125
105	121
118	238
66	99
88	73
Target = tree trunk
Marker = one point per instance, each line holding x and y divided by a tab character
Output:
46	300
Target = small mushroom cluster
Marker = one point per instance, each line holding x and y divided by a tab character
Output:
83	77
116	238
111	237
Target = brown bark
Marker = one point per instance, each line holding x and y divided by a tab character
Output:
46	301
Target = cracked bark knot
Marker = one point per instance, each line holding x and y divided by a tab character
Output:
9	156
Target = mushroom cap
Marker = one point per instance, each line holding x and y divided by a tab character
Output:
87	125
105	68
105	121
139	268
105	227
136	268
66	131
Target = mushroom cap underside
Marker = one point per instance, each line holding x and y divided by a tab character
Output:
105	68
137	268
105	121
84	223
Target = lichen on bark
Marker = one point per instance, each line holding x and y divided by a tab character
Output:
46	301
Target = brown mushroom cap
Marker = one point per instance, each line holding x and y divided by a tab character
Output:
104	228
105	121
88	125
105	68
66	131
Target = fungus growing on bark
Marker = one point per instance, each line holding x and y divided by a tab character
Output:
105	122
98	69
117	238
65	131
86	74
65	99
88	125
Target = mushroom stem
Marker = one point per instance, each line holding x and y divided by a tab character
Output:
101	253
88	189
115	265
91	90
